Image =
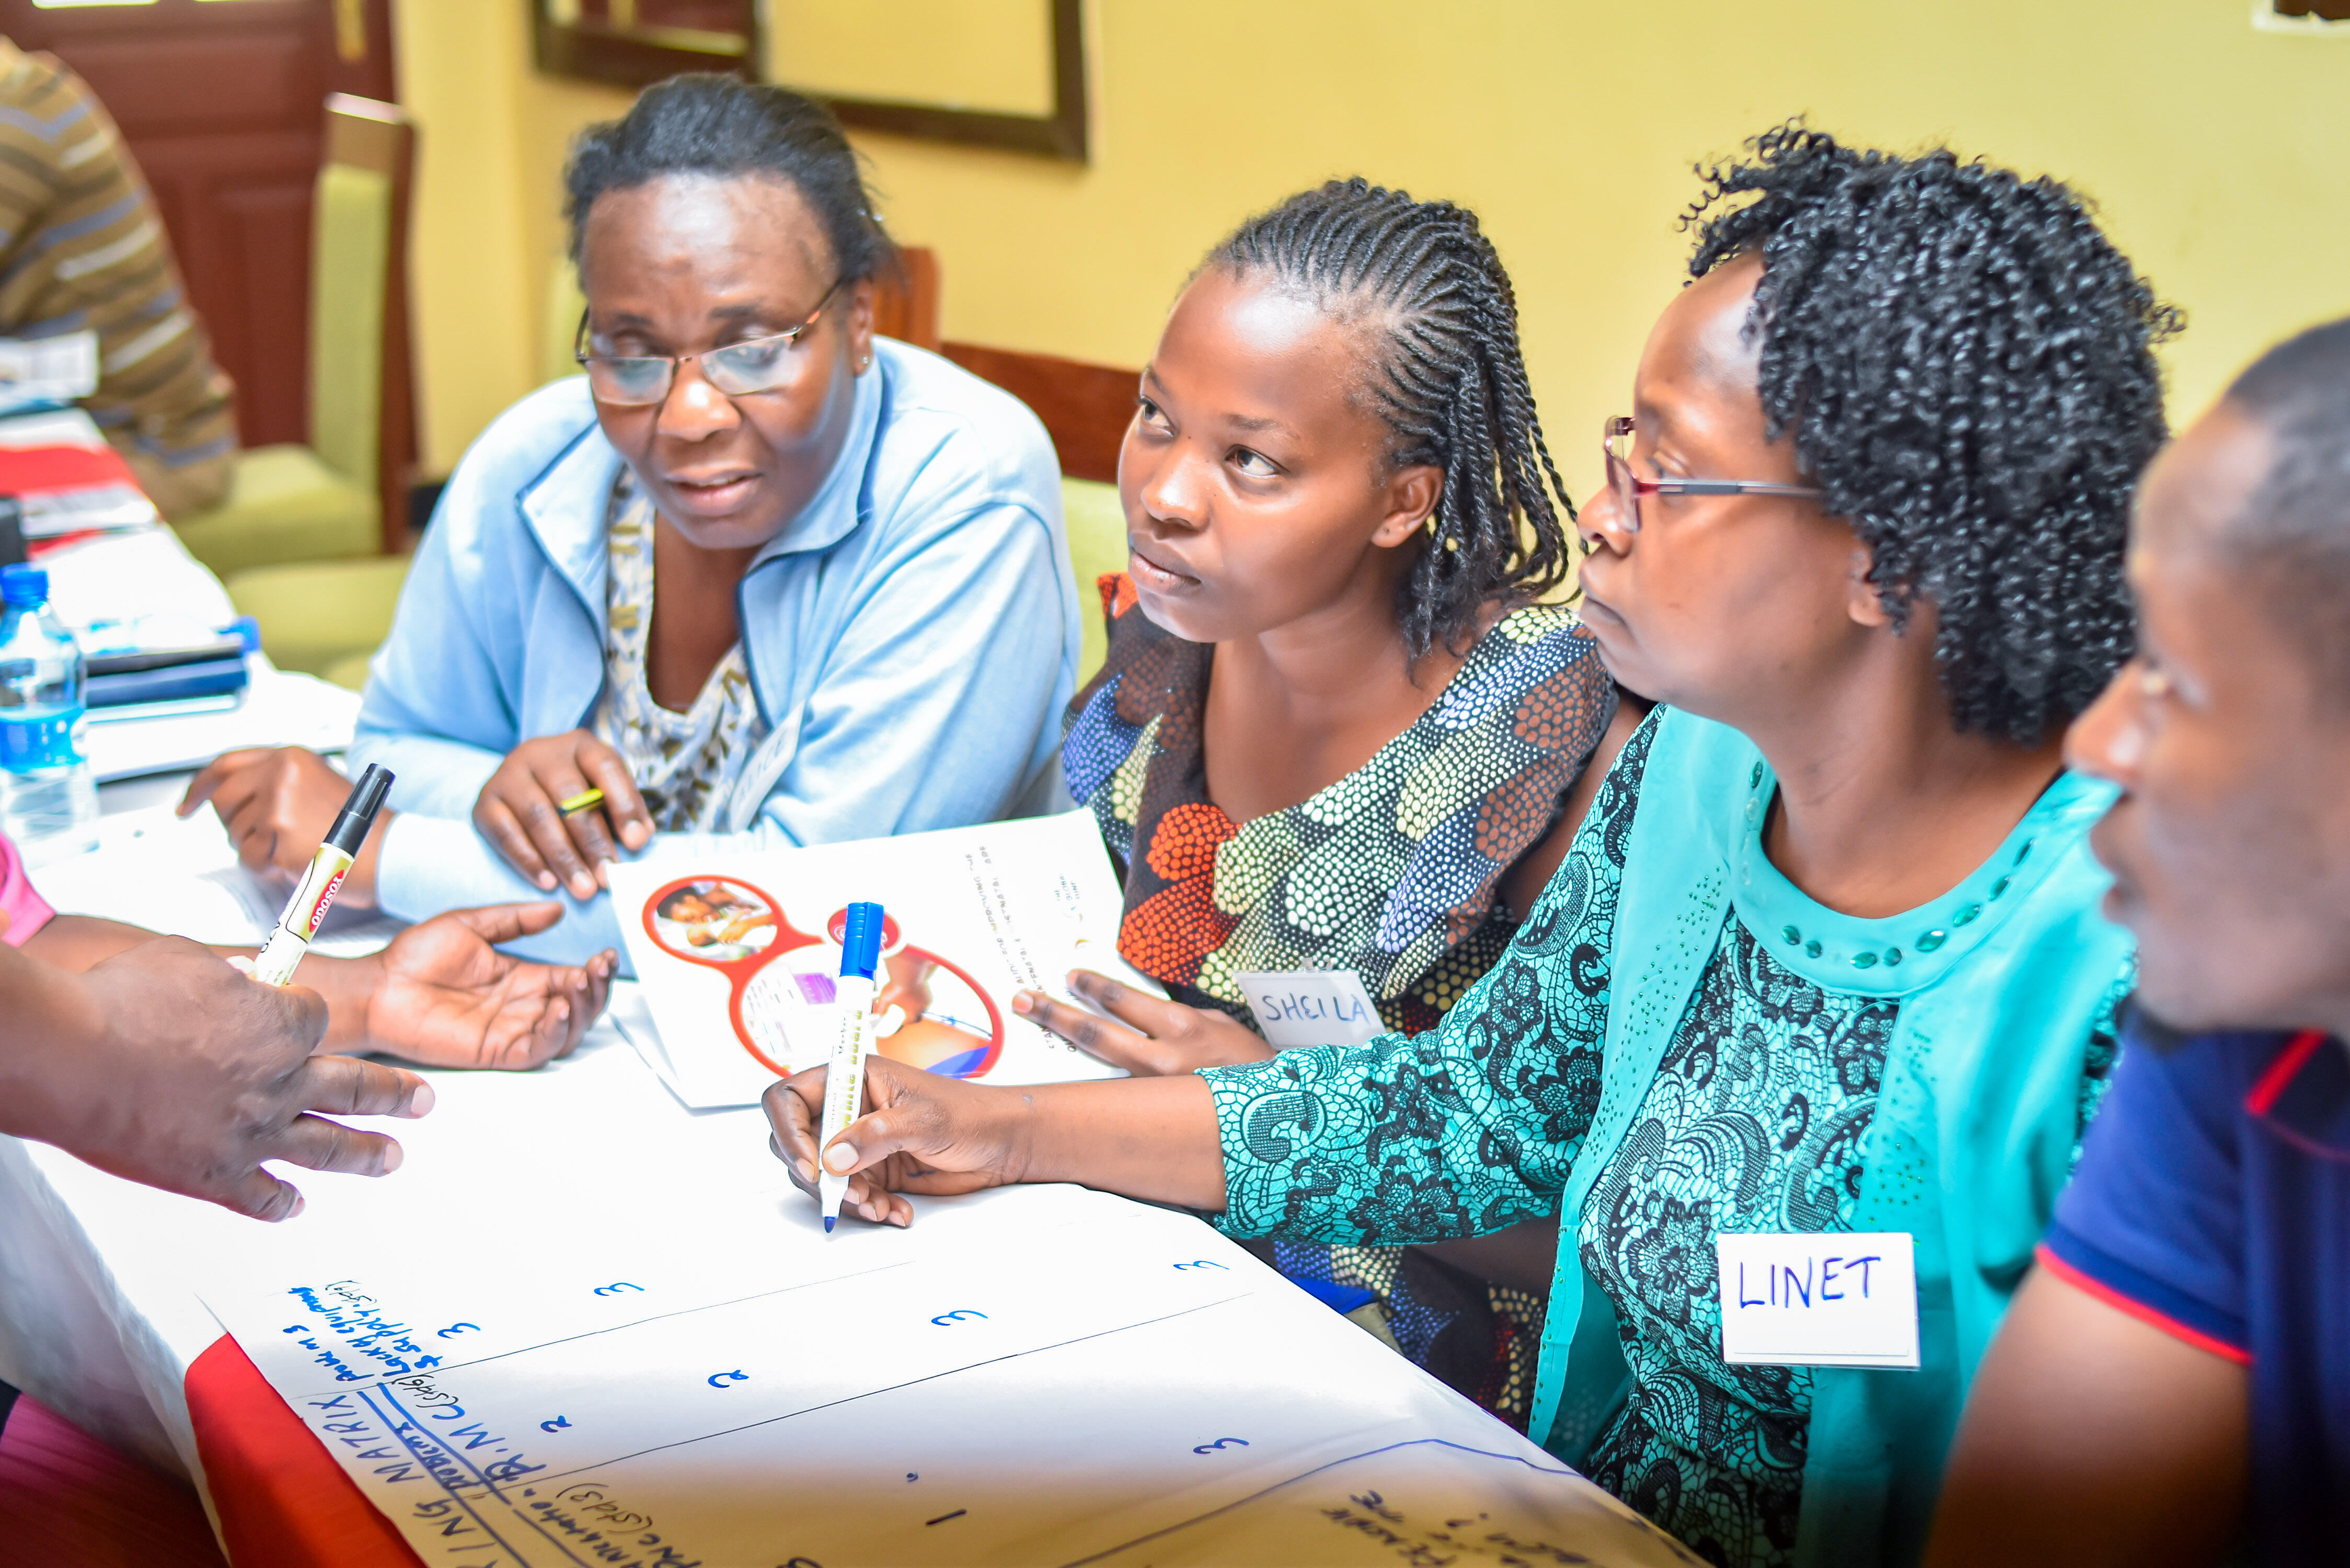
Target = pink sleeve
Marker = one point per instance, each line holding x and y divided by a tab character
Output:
27	911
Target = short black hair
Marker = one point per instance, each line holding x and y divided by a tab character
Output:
2294	530
1448	378
1966	365
704	123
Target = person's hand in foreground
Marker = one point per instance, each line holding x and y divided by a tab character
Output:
165	1065
520	811
442	995
1152	1138
1152	1038
439	995
276	805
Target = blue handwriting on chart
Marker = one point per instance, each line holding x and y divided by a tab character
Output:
555	1425
454	1329
371	1345
616	1287
341	1418
352	1418
1784	1287
1305	1007
720	1379
946	1319
1221	1443
439	1405
1202	1263
604	1530
455	1522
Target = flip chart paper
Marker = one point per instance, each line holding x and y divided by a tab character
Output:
1819	1299
1038	1375
738	955
1305	1007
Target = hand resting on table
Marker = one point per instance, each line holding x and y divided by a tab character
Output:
1152	1038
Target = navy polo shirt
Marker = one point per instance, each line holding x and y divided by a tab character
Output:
2213	1201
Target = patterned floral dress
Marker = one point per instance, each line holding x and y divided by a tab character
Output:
1758	1119
682	764
1392	871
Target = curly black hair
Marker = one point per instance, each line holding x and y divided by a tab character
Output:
1966	365
705	123
1448	378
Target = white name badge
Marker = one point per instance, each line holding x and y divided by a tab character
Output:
1312	1007
1818	1299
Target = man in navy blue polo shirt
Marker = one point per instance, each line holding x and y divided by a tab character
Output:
2172	1384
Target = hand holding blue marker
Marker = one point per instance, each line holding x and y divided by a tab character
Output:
844	1085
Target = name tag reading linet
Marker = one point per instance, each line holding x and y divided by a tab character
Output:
1306	1007
1818	1299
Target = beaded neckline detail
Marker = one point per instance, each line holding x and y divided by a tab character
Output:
1899	952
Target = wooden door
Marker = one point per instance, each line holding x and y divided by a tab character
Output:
223	103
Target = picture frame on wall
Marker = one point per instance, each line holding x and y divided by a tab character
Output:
1008	74
636	43
1004	74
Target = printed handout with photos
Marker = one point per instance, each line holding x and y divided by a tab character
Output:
739	957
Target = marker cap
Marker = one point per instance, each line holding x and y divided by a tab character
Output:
861	942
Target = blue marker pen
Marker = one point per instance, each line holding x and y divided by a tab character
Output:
843	1085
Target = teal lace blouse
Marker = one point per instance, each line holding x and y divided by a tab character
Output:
1757	1119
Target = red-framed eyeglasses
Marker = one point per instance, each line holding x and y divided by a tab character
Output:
1628	487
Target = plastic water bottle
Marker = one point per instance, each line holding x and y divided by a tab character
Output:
49	796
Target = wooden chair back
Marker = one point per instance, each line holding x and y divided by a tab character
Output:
906	305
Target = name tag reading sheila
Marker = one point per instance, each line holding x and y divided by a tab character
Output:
1306	1007
1818	1299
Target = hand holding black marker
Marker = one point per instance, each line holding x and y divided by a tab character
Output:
276	961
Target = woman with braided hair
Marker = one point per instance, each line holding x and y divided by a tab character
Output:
1334	729
1822	978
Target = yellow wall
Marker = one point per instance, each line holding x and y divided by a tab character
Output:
488	218
2213	150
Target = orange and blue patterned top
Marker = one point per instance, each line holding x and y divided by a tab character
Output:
1392	871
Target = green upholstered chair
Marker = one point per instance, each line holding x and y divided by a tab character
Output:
322	501
322	618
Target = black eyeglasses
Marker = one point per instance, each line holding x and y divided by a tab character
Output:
1628	487
759	364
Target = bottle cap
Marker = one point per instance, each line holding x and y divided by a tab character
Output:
861	942
22	587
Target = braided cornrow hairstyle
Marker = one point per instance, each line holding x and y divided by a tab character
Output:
1447	377
1966	365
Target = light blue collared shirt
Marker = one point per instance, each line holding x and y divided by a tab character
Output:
912	637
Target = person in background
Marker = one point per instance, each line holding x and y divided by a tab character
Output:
1825	955
759	576
150	1058
1341	516
82	248
2173	1384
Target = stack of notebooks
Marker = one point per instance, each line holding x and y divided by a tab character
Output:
144	675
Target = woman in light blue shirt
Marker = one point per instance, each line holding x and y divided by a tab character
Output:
863	624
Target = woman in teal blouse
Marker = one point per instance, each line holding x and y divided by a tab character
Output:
1825	955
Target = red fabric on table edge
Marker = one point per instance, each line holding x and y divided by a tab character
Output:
42	468
283	1500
